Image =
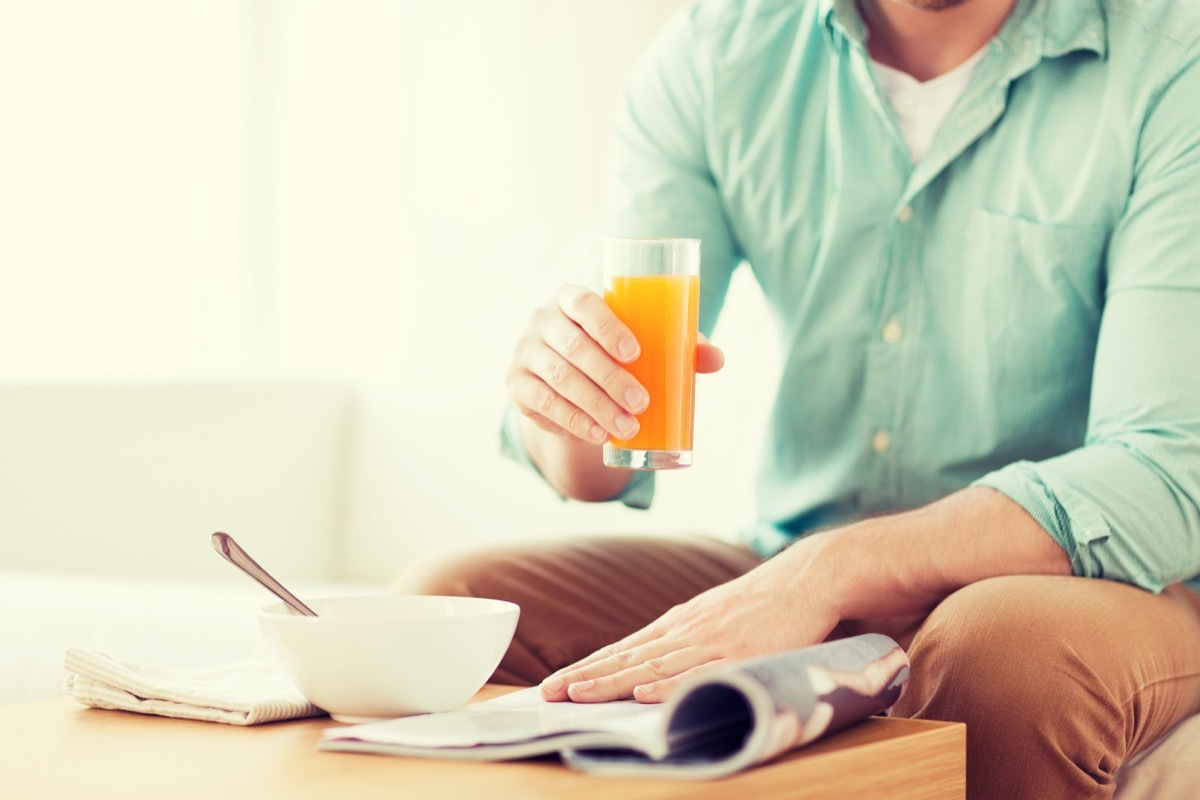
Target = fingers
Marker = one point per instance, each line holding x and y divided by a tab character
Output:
567	374
588	310
579	369
614	678
550	411
650	642
661	690
547	425
555	686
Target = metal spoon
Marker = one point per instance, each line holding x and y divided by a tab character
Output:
232	552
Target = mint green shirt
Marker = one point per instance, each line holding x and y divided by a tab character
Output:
1019	310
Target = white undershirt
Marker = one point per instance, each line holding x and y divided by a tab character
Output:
921	108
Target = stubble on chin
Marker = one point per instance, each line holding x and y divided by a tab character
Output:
929	5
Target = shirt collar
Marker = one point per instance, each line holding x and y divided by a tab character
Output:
1059	28
841	17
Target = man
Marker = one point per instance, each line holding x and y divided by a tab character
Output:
978	223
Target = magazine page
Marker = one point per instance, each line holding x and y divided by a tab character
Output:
515	725
824	688
770	705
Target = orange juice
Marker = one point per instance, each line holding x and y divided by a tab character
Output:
662	311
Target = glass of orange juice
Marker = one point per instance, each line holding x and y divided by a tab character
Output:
653	286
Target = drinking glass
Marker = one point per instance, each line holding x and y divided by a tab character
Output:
653	286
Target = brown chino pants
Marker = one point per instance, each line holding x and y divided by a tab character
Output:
1060	680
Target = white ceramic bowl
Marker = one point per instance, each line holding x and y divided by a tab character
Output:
391	655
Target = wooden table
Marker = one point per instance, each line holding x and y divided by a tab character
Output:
57	748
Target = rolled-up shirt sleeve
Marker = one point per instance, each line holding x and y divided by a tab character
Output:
1125	505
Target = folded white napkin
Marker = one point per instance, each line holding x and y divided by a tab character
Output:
248	692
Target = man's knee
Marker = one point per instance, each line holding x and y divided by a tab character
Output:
1002	655
996	644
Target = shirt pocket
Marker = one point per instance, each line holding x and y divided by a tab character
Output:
1040	287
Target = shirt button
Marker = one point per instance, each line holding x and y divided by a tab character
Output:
905	214
892	332
881	442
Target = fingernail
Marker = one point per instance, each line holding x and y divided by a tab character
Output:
552	684
582	686
626	425
627	348
644	691
598	434
636	399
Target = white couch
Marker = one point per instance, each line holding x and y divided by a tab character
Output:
108	495
109	492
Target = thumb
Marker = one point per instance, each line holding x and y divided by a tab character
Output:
709	357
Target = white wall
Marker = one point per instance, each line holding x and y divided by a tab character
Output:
370	192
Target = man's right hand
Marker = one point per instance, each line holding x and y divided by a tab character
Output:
567	374
568	379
